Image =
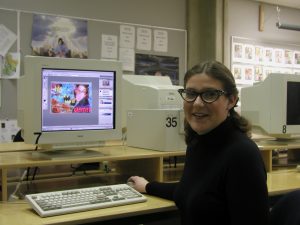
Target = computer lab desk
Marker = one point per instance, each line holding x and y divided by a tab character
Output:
20	213
129	161
132	161
135	161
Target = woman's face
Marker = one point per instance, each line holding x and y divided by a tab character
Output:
203	117
80	92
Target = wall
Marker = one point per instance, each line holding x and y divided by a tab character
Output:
242	19
201	20
167	13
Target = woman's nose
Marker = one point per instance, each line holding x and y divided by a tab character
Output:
199	101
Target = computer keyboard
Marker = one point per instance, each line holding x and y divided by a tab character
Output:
83	199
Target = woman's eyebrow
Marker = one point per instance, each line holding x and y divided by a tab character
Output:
202	90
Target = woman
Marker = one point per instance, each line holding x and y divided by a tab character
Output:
81	101
61	49
224	179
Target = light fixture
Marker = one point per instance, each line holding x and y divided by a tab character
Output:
285	26
288	26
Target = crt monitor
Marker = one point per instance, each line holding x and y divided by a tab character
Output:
148	92
273	106
69	102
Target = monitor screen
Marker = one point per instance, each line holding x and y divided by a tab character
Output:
70	101
273	105
77	99
293	103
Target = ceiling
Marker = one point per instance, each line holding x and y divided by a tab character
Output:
287	3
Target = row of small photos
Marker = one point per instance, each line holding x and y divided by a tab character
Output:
248	74
278	57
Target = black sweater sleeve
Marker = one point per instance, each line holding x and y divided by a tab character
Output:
163	190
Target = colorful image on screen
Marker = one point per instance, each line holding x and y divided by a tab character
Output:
68	97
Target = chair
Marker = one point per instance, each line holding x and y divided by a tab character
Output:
286	211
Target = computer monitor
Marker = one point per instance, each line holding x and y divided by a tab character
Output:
149	92
70	102
273	106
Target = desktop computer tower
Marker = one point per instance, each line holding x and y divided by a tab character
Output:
156	129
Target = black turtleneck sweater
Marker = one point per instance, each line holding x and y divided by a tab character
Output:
223	181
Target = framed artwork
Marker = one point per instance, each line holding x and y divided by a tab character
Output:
237	73
258	73
268	55
297	58
237	52
249	53
267	70
248	74
259	54
278	56
288	57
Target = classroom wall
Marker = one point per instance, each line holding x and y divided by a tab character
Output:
166	13
242	19
204	39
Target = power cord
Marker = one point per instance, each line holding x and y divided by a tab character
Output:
16	195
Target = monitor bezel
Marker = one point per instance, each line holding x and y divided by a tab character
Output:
32	127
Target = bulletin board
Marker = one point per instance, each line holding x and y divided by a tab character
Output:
253	60
172	51
174	46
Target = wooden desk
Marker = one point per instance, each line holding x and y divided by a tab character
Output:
283	181
142	162
129	160
16	147
20	213
267	146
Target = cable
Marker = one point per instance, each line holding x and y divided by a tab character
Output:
14	195
36	148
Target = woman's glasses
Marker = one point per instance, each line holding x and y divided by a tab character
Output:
208	96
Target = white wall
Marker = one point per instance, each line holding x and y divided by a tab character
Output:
161	13
242	19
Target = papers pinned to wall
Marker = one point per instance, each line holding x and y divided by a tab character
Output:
8	130
7	39
10	66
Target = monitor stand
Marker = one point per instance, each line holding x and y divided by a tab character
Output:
66	154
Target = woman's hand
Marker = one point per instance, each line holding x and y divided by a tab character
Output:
138	183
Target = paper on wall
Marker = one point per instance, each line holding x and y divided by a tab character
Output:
7	39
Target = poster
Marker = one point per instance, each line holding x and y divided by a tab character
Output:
55	36
158	66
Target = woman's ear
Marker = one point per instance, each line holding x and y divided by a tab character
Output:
232	101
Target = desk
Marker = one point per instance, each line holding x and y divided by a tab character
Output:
20	213
283	181
16	147
129	160
266	148
134	161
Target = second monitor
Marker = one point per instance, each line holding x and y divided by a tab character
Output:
148	92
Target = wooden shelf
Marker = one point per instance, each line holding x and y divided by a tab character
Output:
124	162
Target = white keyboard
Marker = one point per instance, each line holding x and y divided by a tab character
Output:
83	199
